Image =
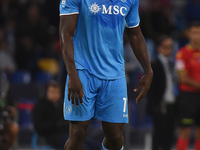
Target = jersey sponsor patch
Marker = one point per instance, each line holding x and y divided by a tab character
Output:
108	10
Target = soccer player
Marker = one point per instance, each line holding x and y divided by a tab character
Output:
188	66
91	34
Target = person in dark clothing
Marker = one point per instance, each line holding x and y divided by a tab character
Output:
48	117
157	20
35	25
9	128
49	121
161	97
25	55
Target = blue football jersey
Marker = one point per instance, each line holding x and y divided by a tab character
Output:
98	39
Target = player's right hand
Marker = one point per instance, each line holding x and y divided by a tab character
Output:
75	90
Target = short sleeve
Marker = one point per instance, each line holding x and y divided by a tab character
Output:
181	63
132	18
68	7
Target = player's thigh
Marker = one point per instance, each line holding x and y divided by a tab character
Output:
113	130
185	132
78	129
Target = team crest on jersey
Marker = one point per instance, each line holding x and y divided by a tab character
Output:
94	8
68	109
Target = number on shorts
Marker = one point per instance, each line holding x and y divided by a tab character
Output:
125	101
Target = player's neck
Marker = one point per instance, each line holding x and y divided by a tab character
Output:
195	45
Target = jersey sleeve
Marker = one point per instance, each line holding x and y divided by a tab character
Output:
132	18
68	7
181	62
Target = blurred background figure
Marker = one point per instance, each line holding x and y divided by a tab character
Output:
157	19
188	67
192	11
8	127
7	63
48	117
161	97
26	54
35	25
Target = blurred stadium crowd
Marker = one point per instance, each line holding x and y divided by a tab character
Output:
30	52
29	33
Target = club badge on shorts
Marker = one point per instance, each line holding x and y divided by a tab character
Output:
68	109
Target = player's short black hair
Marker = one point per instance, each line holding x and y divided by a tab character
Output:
194	24
160	39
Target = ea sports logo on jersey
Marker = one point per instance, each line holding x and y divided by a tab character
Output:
110	10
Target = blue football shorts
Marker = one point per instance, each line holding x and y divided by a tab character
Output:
105	100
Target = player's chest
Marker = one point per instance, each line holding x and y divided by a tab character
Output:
105	8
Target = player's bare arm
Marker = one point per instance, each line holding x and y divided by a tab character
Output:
139	48
184	78
67	28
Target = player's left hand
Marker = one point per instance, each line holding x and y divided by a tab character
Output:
145	83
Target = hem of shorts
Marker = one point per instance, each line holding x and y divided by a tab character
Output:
111	121
82	119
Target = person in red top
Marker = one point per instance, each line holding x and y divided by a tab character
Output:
188	68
